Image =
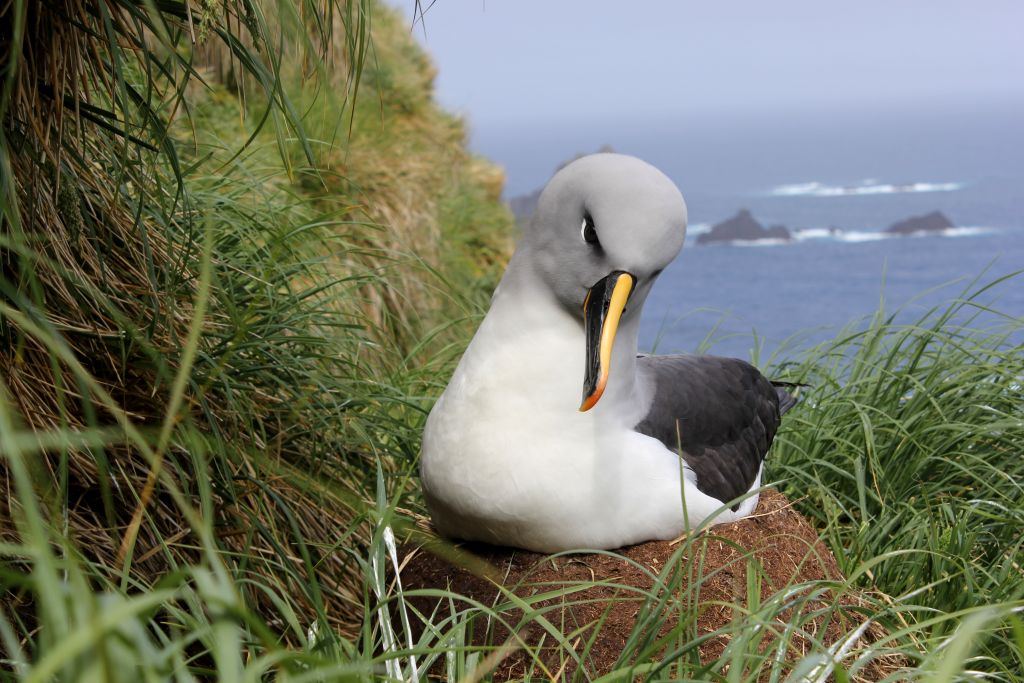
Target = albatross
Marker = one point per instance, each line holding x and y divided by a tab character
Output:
658	444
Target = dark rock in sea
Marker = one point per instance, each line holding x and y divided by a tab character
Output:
932	222
742	226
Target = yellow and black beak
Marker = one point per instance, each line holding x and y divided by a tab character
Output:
602	309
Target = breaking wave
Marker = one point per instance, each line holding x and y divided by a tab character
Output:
866	187
767	242
854	236
837	235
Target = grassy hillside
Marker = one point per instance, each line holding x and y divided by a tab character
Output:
233	278
221	306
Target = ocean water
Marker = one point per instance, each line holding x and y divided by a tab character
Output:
812	173
841	266
755	299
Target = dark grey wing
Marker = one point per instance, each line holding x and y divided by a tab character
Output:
721	413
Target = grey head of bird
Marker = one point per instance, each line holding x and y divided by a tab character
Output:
605	227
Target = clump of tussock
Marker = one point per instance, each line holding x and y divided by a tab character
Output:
266	411
906	454
414	188
84	257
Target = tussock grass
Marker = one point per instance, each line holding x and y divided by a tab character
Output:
909	455
102	303
207	347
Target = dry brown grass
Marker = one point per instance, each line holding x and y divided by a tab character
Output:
80	260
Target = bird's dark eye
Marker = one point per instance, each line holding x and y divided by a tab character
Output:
588	230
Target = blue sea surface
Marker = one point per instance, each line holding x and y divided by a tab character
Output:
753	299
857	173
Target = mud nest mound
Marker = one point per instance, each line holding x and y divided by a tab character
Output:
653	603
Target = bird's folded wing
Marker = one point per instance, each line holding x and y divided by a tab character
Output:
720	414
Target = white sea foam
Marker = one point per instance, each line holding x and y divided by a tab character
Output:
853	236
837	235
875	235
863	236
767	242
967	231
866	187
962	231
814	234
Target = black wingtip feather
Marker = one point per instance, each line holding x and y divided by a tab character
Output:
786	399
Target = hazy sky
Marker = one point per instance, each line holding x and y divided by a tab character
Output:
734	87
521	60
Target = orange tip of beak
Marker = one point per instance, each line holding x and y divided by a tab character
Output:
591	401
